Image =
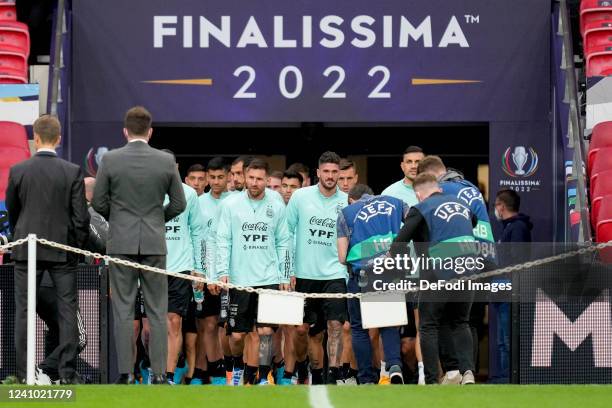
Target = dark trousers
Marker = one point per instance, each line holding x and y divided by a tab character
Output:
456	340
362	347
124	285
500	373
63	276
46	309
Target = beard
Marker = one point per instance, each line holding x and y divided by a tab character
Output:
329	184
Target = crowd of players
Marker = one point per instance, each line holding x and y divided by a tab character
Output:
248	226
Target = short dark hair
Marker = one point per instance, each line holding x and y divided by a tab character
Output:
430	163
359	191
293	174
299	167
510	198
329	157
258	164
48	128
216	163
424	178
346	164
277	174
245	160
413	149
171	153
137	121
195	167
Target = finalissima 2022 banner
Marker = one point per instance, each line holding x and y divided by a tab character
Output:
194	61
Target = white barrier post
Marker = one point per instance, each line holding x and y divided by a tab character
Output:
31	343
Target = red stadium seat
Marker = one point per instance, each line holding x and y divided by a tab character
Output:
602	161
8	11
597	34
599	61
600	138
603	229
14	148
593	10
15	61
16	35
601	184
596	208
12	76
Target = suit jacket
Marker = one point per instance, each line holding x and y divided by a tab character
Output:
46	196
131	184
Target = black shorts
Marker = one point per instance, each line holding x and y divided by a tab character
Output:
179	293
189	320
223	308
210	307
139	307
243	310
319	311
410	329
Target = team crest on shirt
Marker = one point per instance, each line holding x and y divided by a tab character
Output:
269	212
446	211
469	194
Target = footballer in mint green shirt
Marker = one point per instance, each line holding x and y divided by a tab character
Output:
312	213
252	241
185	236
403	189
252	249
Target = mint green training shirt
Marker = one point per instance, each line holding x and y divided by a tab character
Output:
185	236
209	206
311	218
252	241
401	191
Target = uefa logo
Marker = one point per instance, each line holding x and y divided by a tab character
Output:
520	161
93	159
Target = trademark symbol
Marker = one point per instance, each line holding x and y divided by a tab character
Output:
470	19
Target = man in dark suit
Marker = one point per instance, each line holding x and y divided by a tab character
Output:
45	196
130	188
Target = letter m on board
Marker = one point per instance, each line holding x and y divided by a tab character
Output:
550	321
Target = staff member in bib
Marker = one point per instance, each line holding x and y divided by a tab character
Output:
362	226
433	232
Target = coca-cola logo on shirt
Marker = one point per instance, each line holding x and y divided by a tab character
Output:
256	226
323	222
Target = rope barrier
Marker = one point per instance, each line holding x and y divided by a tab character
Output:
202	279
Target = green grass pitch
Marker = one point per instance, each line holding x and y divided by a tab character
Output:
496	396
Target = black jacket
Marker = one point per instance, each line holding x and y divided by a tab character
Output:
517	229
46	196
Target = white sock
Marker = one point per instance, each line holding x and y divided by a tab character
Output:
383	369
421	368
452	373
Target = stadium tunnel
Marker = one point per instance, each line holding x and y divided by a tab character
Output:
375	148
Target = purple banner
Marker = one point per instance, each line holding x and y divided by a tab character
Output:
199	63
193	61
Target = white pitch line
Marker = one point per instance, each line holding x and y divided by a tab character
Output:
318	398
